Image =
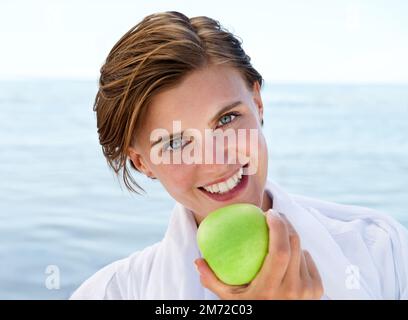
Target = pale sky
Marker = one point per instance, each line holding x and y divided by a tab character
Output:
288	41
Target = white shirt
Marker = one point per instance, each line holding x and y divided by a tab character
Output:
360	254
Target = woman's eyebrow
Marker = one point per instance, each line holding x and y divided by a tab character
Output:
223	110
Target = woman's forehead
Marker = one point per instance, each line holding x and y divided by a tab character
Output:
199	94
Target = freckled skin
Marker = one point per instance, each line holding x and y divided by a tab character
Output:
194	102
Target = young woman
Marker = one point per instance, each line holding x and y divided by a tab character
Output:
190	73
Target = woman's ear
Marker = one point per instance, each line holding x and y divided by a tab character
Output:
256	95
139	163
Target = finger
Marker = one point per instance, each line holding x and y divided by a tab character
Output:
278	256
317	283
293	272
209	280
299	262
304	272
311	267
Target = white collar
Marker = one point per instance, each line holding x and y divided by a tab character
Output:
179	250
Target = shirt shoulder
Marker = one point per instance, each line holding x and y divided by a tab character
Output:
119	280
373	239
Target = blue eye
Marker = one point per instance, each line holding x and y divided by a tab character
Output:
227	118
175	144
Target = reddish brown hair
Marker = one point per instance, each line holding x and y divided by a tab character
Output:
152	56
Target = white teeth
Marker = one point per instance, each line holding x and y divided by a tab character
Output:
231	183
225	186
240	172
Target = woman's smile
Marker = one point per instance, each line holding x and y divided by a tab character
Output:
228	188
233	160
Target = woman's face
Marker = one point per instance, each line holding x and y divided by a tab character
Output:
196	104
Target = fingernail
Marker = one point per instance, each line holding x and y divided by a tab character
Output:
196	267
275	213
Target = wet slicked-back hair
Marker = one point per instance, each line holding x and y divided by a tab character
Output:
154	55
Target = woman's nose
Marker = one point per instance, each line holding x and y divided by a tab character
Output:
220	148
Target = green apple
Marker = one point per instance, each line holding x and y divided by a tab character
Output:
234	242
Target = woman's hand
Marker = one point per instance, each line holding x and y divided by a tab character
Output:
288	272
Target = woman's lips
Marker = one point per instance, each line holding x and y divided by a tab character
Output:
241	186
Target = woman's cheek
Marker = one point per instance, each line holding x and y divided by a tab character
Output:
178	178
253	145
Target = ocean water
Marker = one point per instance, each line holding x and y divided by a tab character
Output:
63	213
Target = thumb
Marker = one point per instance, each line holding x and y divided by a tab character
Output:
209	280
